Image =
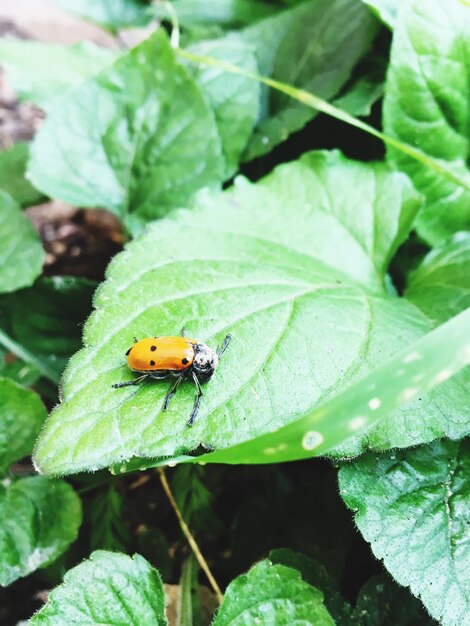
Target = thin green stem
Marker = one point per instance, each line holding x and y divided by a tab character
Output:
325	107
21	352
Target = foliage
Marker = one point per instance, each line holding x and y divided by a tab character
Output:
251	202
40	517
21	253
420	111
412	507
125	590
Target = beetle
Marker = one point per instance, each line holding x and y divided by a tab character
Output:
156	358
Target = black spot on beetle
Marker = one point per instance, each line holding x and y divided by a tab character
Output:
152	362
185	361
127	353
153	348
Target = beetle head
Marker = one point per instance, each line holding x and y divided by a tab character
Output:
205	361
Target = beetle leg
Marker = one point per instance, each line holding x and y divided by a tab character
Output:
197	401
183	332
136	340
171	393
221	350
128	383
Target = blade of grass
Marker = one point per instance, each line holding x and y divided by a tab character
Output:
21	352
329	109
432	360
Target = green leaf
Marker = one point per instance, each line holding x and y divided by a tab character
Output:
361	93
234	99
112	15
227	13
43	72
47	318
273	595
386	10
440	286
412	507
383	603
40	519
21	416
313	46
316	575
427	105
138	155
12	175
410	374
125	590
239	263
108	530
21	252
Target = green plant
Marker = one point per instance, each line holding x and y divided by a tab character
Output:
241	147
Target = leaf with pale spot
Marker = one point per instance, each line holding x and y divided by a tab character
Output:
304	300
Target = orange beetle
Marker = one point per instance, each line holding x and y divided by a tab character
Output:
181	357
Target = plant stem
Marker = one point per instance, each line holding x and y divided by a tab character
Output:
21	352
187	533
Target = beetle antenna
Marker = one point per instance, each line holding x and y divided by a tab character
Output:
221	350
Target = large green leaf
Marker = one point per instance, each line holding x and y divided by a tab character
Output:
413	507
43	72
124	590
427	105
272	595
21	252
440	286
40	518
233	98
21	416
302	298
313	46
112	15
47	318
12	175
137	138
356	420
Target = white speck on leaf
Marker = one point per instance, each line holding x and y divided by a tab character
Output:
442	376
408	394
358	422
312	439
412	356
374	403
